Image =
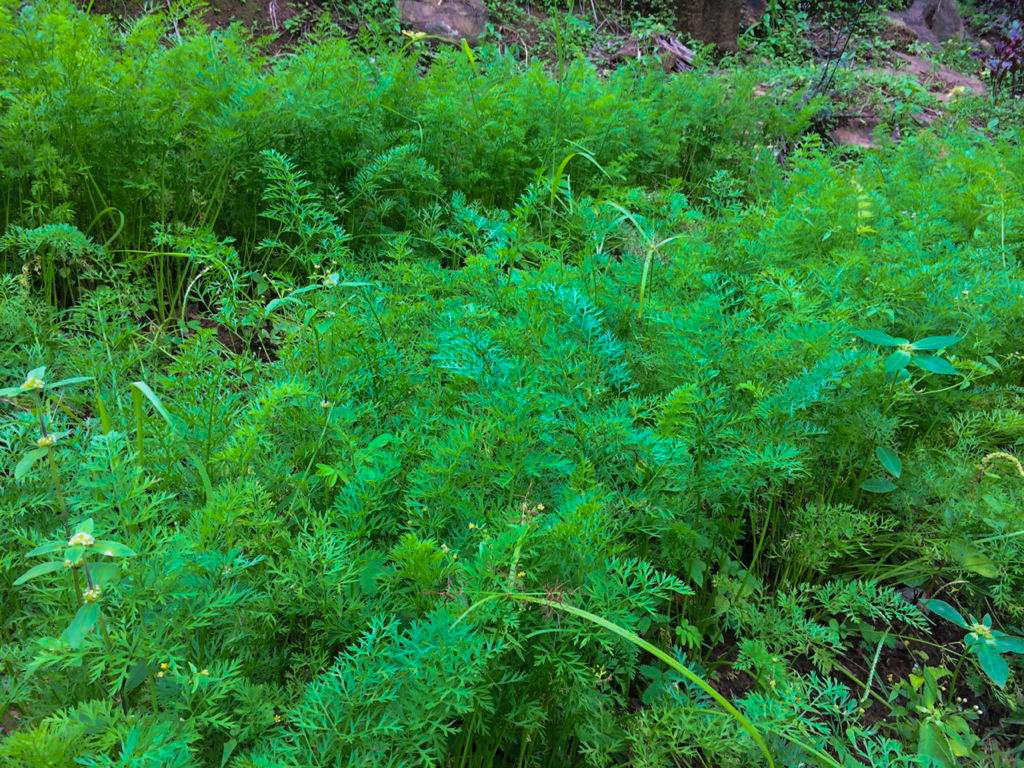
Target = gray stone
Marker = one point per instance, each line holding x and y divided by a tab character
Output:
454	20
931	21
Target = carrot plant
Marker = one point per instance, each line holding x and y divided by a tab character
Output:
386	412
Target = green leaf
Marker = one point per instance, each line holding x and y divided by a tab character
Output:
204	476
1009	644
956	731
897	361
47	548
973	559
993	665
40	570
935	365
275	303
931	743
878	485
889	460
935	342
229	747
27	461
82	624
103	573
946	611
380	441
136	675
880	338
67	382
112	549
143	387
86	526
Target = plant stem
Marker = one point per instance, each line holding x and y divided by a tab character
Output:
58	491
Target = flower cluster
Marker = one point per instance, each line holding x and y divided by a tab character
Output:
81	539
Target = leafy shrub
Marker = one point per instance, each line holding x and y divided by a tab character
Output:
368	416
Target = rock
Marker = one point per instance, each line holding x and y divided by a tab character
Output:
453	20
930	21
718	21
942	81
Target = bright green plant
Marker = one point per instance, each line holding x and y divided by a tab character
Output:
987	645
943	729
381	332
37	390
85	552
909	353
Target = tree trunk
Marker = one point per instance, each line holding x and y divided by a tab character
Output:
717	21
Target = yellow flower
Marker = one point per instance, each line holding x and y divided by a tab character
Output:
472	526
981	631
92	594
540	507
81	539
521	574
33	382
164	665
45	441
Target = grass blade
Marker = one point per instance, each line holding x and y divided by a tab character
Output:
639	642
143	388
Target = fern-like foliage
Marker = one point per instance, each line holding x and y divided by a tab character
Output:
307	235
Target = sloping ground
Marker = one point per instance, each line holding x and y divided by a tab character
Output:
943	83
286	23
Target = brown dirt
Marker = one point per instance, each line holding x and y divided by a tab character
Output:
9	722
734	684
940	644
856	130
942	81
263	349
263	17
945	84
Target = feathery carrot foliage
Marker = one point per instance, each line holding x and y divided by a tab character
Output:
307	357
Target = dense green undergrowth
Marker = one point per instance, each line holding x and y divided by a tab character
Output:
362	415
